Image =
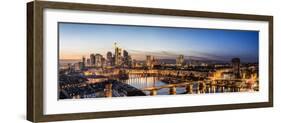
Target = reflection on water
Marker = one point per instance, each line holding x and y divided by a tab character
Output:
147	82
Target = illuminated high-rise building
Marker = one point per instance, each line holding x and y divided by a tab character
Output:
117	55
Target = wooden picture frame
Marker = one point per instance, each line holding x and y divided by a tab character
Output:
35	55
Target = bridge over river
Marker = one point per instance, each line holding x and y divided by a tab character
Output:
154	85
158	82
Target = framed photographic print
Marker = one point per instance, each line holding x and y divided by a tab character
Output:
96	61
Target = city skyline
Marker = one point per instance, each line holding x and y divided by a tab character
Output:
124	61
77	40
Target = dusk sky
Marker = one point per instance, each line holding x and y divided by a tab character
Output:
77	40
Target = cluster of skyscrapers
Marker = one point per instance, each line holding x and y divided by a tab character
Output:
116	59
120	58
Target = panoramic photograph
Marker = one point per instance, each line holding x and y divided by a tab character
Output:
106	61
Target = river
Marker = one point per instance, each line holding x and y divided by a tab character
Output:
147	82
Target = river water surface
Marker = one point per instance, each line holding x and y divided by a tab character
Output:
148	82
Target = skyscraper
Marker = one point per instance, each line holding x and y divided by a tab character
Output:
180	60
117	56
236	67
98	60
103	62
126	58
130	61
125	53
92	59
83	64
148	61
109	58
88	62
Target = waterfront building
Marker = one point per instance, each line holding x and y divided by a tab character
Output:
226	75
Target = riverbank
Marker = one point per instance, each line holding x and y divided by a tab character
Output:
125	88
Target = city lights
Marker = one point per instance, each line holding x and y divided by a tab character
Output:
123	61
